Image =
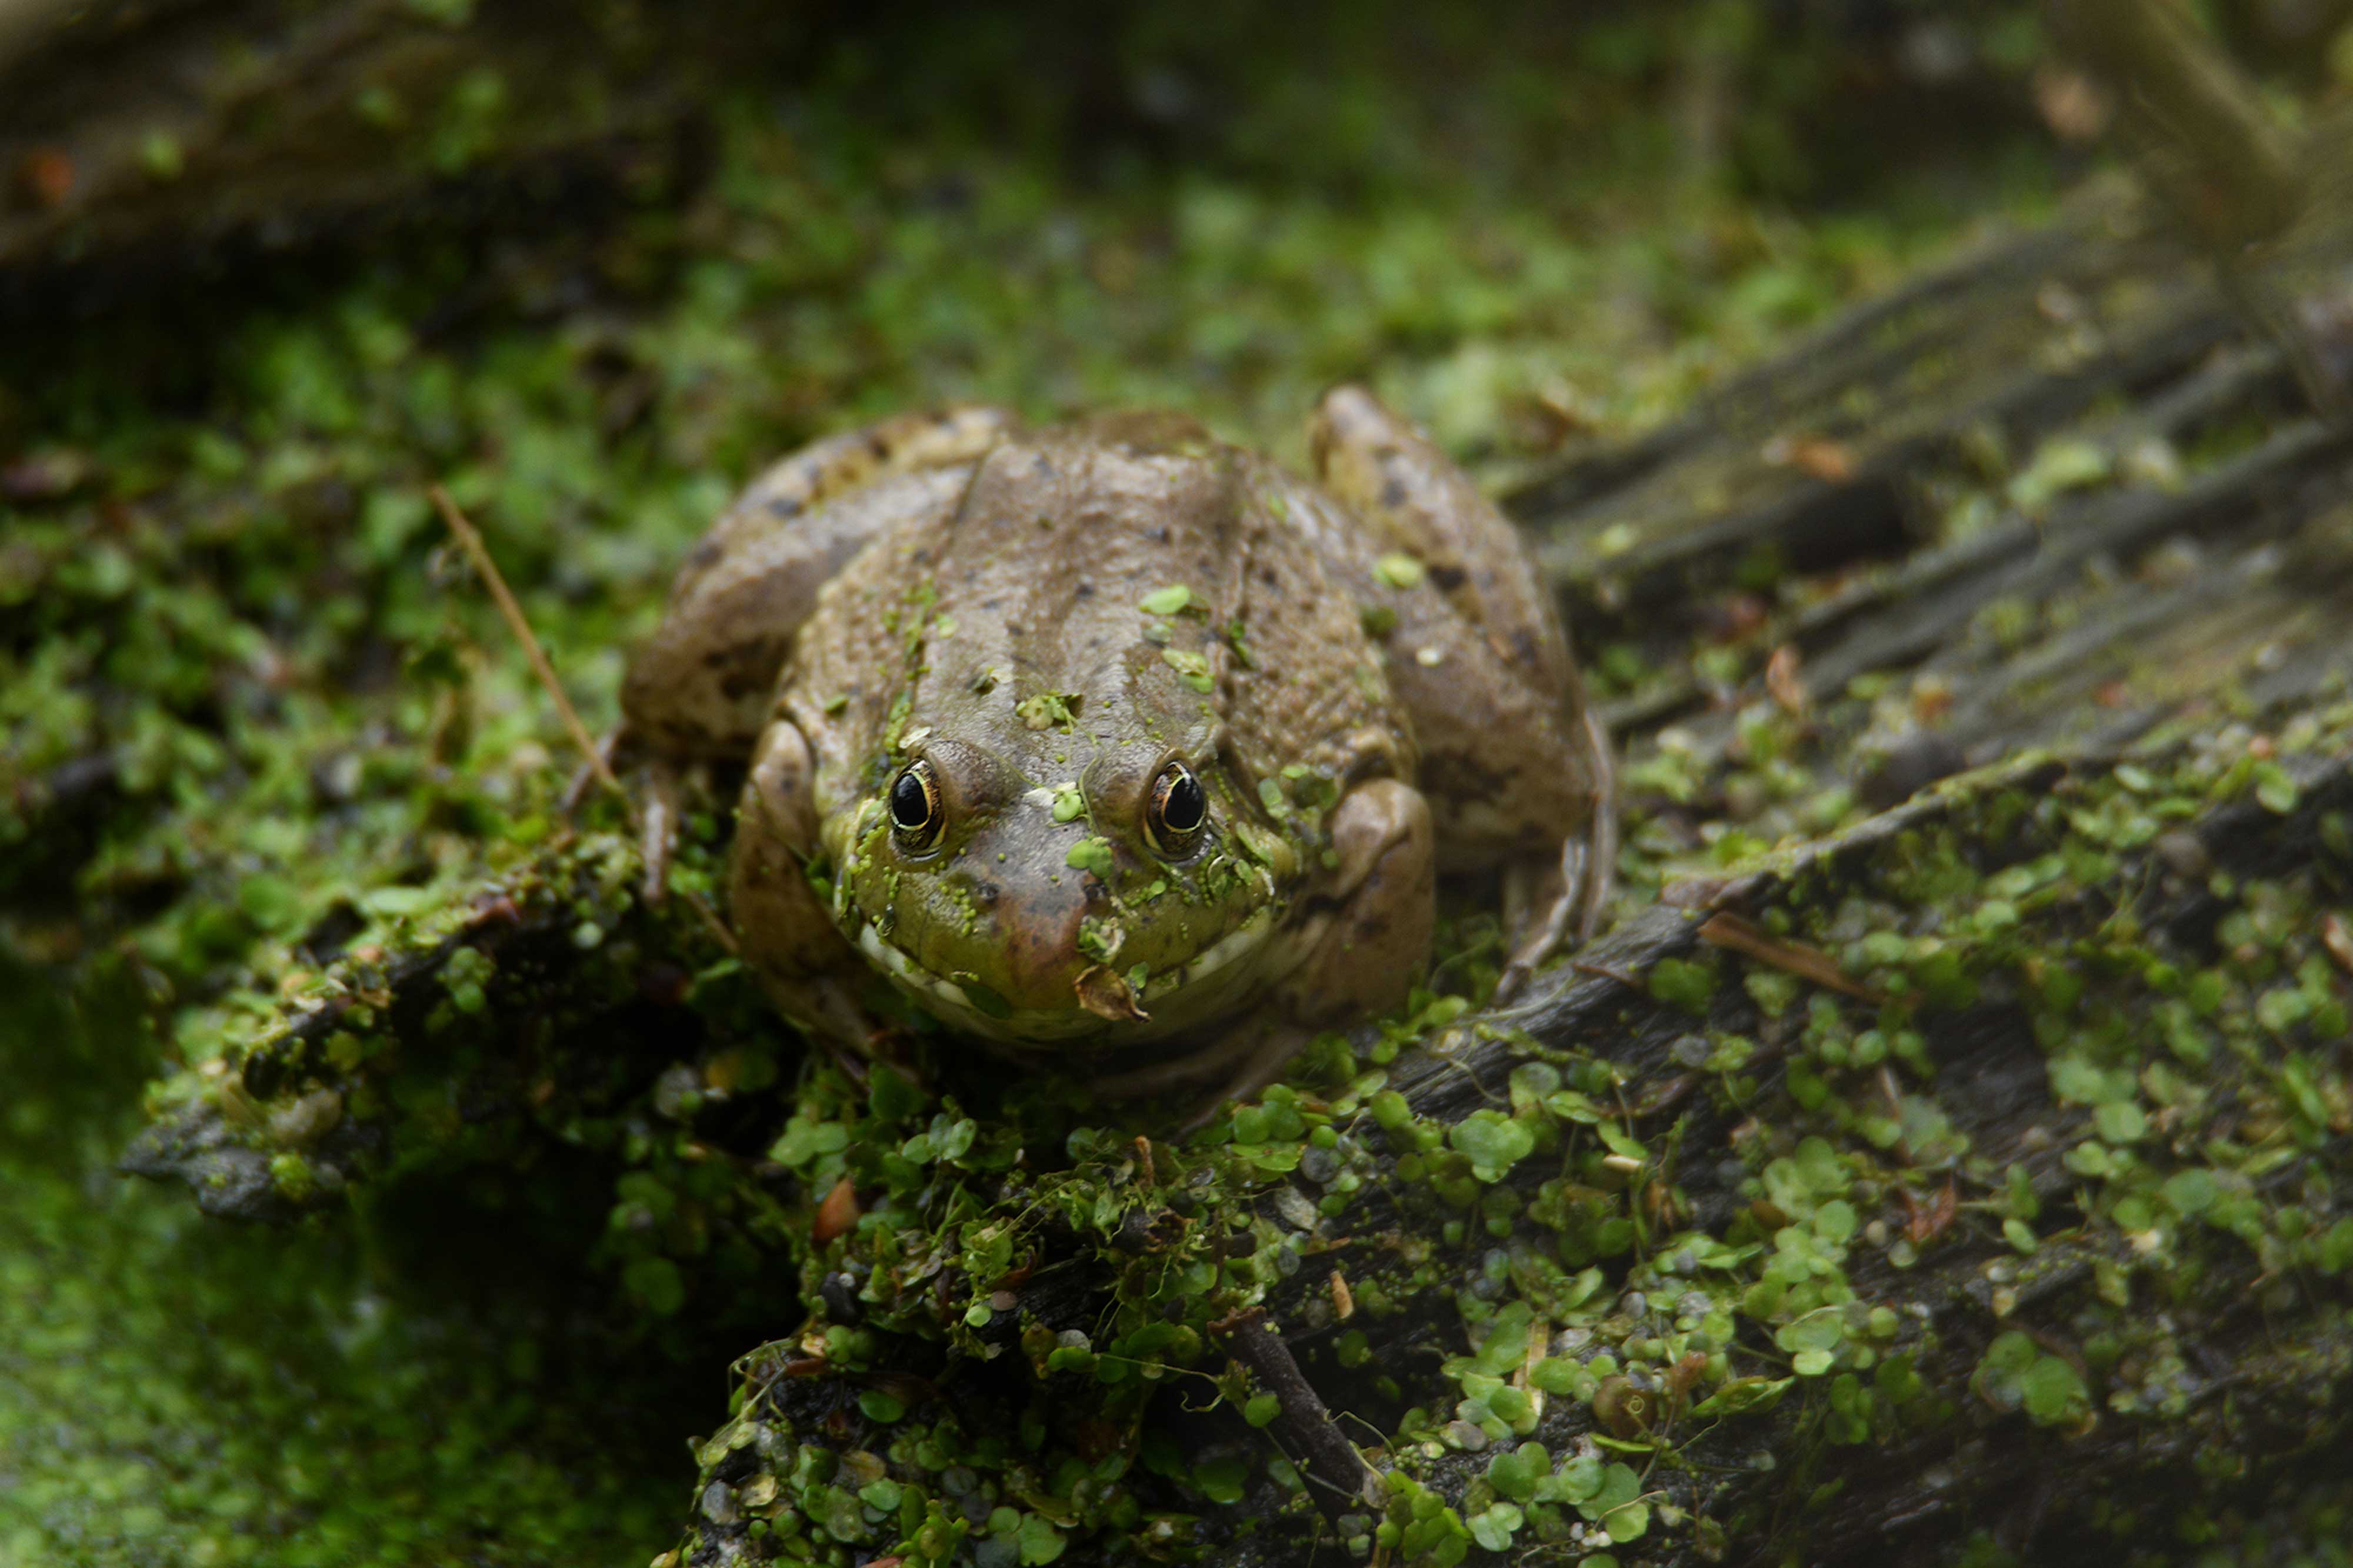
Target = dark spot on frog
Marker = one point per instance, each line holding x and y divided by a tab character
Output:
1083	591
709	551
778	506
1158	536
1392	492
1448	578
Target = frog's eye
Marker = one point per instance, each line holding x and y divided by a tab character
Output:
915	805
1174	816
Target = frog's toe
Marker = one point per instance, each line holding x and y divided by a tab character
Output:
1574	895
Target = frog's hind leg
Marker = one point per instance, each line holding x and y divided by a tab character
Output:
1516	766
1414	500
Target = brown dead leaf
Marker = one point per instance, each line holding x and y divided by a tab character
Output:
2337	938
1924	1222
1738	935
1787	687
1827	461
1817	457
2076	108
837	1214
46	176
1105	991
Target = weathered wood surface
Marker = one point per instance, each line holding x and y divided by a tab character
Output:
2170	606
2057	496
141	141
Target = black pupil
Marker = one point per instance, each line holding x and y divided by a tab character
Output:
1182	806
910	803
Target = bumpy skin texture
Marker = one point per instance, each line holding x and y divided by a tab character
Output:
992	655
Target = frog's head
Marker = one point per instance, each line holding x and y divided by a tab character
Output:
1119	905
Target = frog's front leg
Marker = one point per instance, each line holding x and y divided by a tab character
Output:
1356	952
784	933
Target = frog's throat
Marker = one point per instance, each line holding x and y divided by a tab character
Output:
1215	973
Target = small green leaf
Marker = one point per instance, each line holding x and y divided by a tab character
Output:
1493	1527
1742	1396
1626	1521
1167	601
1041	1542
1493	1141
1835	1221
2192	1192
2053	1393
1680	982
1220	1479
2120	1121
1192	669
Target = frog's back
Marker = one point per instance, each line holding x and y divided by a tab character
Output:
1058	576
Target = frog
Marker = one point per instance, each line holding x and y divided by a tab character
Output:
1117	749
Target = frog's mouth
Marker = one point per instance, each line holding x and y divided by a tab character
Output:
1174	1000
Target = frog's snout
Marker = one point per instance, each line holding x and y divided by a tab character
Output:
1036	933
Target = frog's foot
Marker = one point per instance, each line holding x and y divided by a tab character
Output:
651	787
585	777
1579	887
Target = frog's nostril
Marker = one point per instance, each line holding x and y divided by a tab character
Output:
985	895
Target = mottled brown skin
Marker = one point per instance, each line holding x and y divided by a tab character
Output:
977	671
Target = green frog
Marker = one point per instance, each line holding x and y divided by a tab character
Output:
1119	749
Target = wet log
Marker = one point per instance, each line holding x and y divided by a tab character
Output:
141	143
1930	1161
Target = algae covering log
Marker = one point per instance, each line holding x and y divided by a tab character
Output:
136	138
1980	1173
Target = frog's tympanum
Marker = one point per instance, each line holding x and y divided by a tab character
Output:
1119	749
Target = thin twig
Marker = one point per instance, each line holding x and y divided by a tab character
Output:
479	554
487	569
1337	1477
